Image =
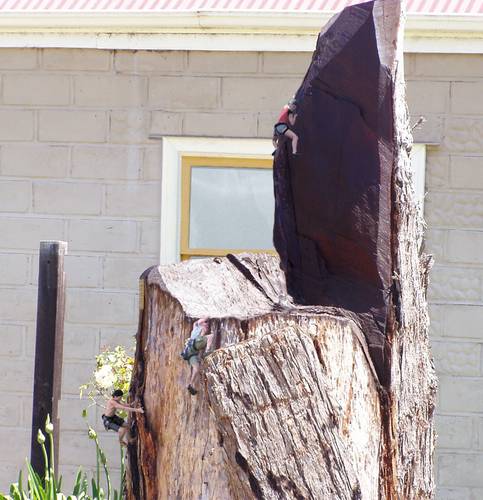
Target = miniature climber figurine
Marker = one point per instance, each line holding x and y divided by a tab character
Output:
114	422
286	121
198	343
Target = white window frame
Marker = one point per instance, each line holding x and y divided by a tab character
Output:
173	150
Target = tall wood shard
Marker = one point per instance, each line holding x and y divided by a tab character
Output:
333	201
321	383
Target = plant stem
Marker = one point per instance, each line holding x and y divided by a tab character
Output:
52	460
121	487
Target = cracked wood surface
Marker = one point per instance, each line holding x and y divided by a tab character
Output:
289	406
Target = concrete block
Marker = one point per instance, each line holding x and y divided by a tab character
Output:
286	63
147	61
427	96
220	124
480	433
466	172
466	98
461	394
34	160
129	126
77	449
106	162
94	307
133	199
18	304
435	242
11	340
20	125
17	442
431	131
72	126
465	246
36	90
210	63
17	58
265	123
112	337
454	210
151	170
164	123
30	338
456	358
82	271
455	284
76	59
124	272
102	235
14	269
460	469
150	237
255	94
75	374
452	494
437	170
9	469
463	135
173	93
15	195
436	319
454	432
81	342
18	377
447	65
67	197
10	411
110	91
70	412
464	321
408	65
26	232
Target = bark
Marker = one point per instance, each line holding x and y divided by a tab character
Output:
296	401
289	405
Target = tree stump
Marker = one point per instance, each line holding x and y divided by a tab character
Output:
312	394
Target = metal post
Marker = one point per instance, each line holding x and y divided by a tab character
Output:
48	346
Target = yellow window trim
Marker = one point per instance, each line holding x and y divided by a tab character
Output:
187	163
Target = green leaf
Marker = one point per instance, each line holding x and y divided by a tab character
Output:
95	491
35	486
20	485
78	482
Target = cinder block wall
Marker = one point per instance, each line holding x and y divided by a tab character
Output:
76	163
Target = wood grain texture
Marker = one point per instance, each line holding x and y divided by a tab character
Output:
296	401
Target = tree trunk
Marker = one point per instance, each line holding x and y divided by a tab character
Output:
296	401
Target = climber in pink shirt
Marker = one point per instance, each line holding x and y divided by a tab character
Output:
286	120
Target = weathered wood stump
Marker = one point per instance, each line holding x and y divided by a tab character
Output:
290	405
327	401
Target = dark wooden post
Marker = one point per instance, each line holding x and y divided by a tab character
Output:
48	346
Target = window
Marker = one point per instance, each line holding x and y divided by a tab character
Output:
227	205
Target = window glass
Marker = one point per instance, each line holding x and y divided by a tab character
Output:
231	208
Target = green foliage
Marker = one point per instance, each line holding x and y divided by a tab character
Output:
113	371
49	488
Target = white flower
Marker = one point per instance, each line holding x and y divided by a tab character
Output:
105	377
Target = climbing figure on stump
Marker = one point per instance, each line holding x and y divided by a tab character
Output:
114	422
199	343
284	125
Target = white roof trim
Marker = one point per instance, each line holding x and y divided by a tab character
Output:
236	31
